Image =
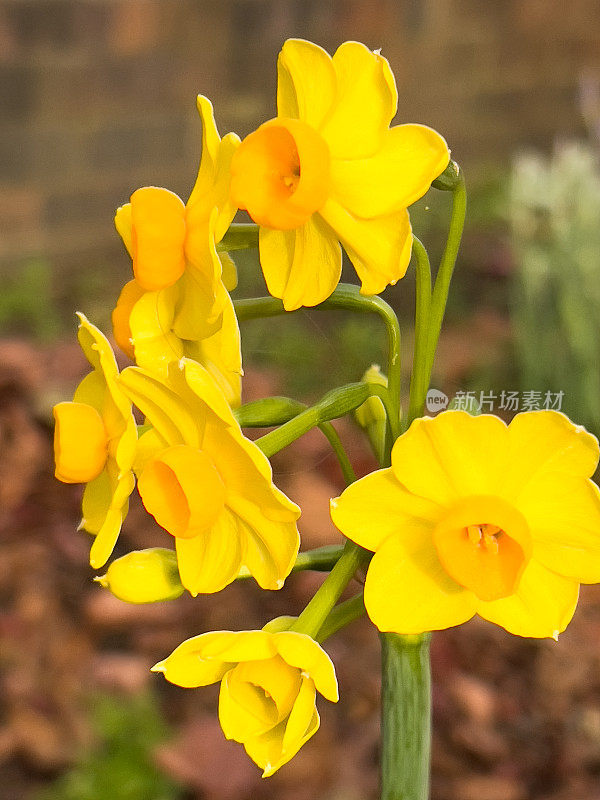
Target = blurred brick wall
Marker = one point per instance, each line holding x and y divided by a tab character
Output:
97	96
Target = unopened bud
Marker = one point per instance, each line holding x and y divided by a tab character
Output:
371	415
144	576
449	179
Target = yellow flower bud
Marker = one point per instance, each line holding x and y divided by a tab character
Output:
371	415
144	576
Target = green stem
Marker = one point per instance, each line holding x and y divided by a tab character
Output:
406	716
278	411
419	382
346	296
342	615
241	236
322	559
334	404
338	448
316	612
439	297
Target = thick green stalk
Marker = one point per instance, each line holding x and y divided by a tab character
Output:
406	717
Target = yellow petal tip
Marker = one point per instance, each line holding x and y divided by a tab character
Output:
159	667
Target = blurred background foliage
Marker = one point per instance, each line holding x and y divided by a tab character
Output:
119	764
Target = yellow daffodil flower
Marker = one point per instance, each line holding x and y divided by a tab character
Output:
206	484
269	680
477	517
95	438
329	169
178	303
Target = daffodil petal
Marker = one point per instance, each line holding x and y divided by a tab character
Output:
365	103
408	591
379	249
247	473
121	486
299	720
106	538
243	709
210	561
236	646
221	189
210	150
211	189
92	391
306	82
228	271
270	549
451	456
544	442
96	348
149	446
150	323
97	497
197	315
377	506
187	665
194	383
265	750
400	172
221	355
301	266
128	297
123	224
302	652
563	513
542	606
165	410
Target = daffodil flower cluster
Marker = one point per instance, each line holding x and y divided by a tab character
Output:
467	515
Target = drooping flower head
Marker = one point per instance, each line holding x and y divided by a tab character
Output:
178	303
477	517
269	680
95	438
329	169
207	485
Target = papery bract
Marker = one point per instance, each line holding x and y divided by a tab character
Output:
269	680
477	517
95	438
329	169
